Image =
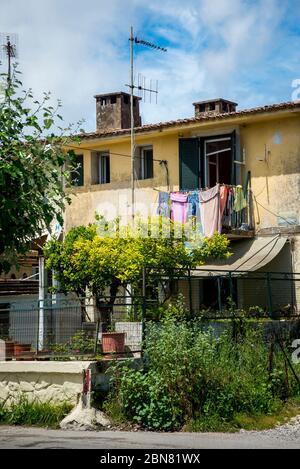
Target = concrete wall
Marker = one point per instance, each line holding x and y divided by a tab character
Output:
272	151
44	381
114	199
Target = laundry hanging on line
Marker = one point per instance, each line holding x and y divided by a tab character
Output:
179	207
221	205
210	210
164	207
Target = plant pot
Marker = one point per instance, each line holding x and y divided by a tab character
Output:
113	342
21	349
6	349
26	356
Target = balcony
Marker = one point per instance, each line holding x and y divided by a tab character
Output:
239	224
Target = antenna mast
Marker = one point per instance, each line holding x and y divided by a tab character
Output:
135	40
8	50
132	146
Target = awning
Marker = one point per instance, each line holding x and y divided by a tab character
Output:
248	256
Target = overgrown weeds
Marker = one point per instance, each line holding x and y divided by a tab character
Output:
192	377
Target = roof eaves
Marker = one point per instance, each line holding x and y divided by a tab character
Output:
191	120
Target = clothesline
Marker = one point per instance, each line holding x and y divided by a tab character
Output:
210	208
189	191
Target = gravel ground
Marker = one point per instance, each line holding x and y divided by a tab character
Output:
289	431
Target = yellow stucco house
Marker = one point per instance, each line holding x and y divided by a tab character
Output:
257	148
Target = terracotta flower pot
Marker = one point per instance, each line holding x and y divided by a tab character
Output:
20	349
113	342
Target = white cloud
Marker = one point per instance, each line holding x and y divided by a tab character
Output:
80	49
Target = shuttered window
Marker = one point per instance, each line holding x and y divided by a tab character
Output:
77	174
193	170
100	167
144	163
189	169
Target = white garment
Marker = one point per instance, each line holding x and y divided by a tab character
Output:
210	210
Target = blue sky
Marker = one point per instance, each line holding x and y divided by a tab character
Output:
246	51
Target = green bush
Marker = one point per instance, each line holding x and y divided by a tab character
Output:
191	374
175	308
143	398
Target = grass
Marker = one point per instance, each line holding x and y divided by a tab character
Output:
258	422
42	414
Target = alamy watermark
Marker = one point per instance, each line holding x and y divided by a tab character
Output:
296	93
150	220
296	352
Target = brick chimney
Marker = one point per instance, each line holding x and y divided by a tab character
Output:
214	107
113	111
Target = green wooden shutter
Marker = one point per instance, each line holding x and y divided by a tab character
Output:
107	167
148	162
188	163
77	175
80	170
233	157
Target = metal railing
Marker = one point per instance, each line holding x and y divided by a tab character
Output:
66	328
61	327
215	293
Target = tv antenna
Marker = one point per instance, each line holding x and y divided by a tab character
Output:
8	50
142	88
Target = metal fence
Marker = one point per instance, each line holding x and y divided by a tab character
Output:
71	327
214	294
68	328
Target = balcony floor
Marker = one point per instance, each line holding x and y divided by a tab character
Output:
238	234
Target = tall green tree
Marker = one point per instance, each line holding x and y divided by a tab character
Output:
33	166
102	262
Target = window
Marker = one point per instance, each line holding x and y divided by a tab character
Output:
100	167
217	291
77	174
113	100
205	161
144	163
218	161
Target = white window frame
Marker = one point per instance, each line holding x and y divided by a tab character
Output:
102	157
142	160
207	155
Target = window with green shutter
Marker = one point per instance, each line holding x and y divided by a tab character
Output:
189	163
77	174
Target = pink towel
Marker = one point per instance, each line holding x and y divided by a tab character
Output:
179	207
224	190
210	210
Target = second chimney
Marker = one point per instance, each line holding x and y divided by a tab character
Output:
214	106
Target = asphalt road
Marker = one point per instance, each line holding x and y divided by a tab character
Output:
40	438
